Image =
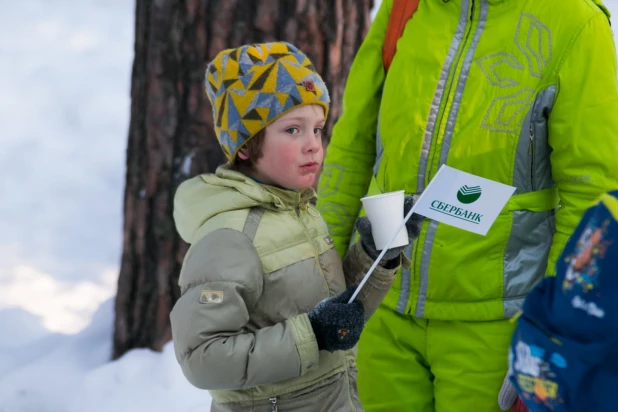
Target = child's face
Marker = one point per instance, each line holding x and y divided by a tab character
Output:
292	150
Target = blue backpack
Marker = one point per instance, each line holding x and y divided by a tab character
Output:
564	352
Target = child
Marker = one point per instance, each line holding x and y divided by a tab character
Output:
263	321
564	353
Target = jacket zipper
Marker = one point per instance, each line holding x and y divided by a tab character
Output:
419	247
532	158
315	251
445	112
273	401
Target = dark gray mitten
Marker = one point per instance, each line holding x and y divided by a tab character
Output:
413	226
336	324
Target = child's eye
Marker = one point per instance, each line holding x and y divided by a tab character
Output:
317	130
293	130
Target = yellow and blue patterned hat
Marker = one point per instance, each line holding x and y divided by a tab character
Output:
251	86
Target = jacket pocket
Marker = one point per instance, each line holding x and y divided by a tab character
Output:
324	396
330	394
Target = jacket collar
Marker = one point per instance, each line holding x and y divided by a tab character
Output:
275	197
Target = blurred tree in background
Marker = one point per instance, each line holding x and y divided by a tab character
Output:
171	137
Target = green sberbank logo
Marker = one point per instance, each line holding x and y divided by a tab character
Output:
467	195
456	212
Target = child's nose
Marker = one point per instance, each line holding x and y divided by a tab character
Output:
314	144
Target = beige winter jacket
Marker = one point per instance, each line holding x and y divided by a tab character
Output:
260	259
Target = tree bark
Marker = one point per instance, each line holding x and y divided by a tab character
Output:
171	136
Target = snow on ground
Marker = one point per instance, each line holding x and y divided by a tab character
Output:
61	373
64	109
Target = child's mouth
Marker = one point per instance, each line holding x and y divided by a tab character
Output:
309	167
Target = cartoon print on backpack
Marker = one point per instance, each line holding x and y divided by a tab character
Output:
535	376
583	268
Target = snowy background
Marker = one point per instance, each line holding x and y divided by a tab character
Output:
64	111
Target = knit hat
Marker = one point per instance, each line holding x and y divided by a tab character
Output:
563	354
251	86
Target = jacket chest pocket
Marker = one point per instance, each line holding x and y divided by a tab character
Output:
292	290
303	272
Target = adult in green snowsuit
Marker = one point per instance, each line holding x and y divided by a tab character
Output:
522	92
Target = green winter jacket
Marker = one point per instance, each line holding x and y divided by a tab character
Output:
260	259
522	92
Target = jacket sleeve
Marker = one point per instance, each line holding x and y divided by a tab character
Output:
351	152
356	264
583	128
221	282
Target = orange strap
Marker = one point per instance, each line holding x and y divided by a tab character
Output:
402	11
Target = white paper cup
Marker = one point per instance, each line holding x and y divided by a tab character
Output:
385	212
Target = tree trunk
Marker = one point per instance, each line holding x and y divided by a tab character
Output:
171	135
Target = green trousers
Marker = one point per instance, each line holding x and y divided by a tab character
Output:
409	364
